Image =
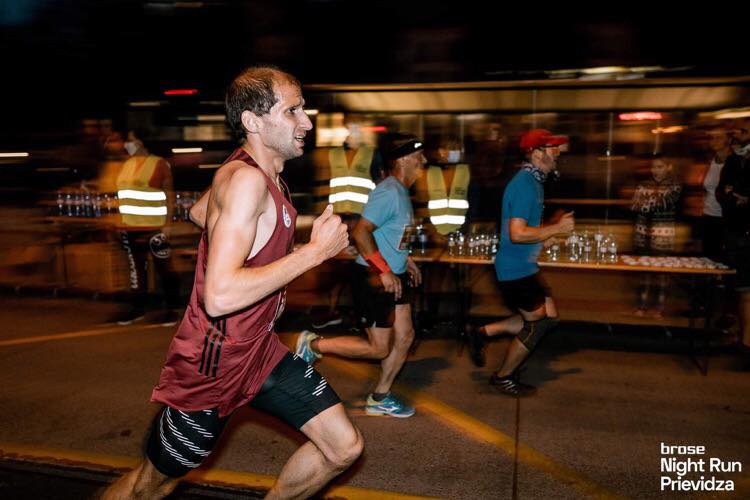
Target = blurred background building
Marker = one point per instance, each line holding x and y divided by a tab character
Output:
78	75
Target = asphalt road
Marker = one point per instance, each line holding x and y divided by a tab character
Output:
75	397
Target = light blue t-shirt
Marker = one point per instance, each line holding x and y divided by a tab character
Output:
523	199
389	208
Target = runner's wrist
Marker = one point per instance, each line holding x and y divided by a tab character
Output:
377	263
312	254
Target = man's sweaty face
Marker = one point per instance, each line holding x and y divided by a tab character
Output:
286	125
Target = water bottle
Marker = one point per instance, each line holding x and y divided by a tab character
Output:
88	209
587	247
472	244
187	202
60	203
605	249
98	205
572	247
460	243
177	207
612	250
554	253
451	244
601	247
422	238
69	205
78	204
495	242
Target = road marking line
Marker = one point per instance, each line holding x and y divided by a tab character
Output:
78	334
482	432
215	477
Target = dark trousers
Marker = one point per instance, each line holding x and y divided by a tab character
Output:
712	235
137	249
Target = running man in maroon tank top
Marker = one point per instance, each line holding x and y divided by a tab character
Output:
226	353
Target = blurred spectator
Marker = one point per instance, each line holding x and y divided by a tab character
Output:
144	187
447	183
655	205
352	172
114	157
733	193
712	232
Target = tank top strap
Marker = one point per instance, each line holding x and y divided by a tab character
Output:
285	190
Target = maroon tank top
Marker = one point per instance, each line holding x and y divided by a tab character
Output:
222	362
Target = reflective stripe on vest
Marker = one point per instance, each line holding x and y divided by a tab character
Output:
448	213
140	204
350	185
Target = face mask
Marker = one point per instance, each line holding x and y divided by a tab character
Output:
742	150
454	156
131	147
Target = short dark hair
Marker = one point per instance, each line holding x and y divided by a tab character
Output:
252	90
140	133
395	145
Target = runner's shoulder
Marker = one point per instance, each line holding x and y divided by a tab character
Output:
238	175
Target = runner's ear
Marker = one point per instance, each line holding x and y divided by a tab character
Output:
250	121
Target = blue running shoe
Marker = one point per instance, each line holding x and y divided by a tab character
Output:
390	406
304	350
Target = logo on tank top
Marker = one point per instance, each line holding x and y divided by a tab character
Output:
287	219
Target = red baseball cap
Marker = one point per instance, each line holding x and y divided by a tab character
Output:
539	137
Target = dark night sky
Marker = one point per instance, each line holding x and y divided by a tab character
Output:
66	58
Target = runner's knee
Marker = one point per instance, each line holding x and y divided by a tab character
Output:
150	483
533	331
346	449
405	339
380	349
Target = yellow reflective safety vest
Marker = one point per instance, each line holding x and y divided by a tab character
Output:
448	213
140	204
350	185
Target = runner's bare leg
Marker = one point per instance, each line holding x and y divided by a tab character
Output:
142	482
403	337
335	443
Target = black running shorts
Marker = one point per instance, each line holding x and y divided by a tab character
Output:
179	441
527	294
378	307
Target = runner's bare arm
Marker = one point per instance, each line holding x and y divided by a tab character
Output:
363	239
199	208
231	287
366	245
521	232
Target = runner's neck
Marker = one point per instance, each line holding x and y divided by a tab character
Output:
271	172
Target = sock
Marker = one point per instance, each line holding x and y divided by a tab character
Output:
380	396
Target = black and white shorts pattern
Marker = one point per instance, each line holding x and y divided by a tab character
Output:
294	392
181	440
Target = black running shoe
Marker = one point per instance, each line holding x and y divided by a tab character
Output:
511	387
476	347
166	318
327	319
128	318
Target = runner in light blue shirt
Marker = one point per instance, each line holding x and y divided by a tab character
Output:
383	279
389	209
